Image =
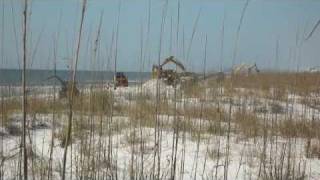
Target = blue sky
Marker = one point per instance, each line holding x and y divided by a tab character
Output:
265	22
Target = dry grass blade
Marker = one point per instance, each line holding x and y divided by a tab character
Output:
71	98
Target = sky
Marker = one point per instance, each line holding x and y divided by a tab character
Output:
210	43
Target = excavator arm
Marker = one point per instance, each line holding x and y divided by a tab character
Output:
171	59
65	87
63	83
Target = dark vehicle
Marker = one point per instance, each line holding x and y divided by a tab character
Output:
121	80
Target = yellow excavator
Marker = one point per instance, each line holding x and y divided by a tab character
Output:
170	76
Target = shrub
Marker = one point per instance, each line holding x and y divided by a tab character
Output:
312	149
62	136
247	123
276	108
14	129
301	128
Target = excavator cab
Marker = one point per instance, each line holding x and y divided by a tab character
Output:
121	80
154	72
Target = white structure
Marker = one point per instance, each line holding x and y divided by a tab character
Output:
315	69
245	69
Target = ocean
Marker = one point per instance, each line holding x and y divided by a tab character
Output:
12	77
